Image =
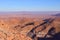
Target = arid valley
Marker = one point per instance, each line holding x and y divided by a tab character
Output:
29	27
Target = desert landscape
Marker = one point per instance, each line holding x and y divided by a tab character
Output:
29	27
29	19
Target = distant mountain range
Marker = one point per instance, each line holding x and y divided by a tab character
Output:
57	14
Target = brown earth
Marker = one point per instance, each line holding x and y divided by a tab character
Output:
17	28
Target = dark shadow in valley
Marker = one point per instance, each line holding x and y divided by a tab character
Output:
55	37
46	21
52	33
31	23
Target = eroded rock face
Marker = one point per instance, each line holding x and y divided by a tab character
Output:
16	28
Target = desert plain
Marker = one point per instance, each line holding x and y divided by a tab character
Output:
29	27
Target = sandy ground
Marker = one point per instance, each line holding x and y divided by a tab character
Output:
13	27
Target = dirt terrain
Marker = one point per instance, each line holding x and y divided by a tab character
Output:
28	28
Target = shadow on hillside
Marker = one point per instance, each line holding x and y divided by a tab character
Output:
46	21
31	23
55	37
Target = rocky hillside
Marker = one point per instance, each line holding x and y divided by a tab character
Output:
16	28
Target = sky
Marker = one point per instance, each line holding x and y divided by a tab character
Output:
29	5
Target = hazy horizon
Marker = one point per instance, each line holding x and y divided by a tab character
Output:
29	6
